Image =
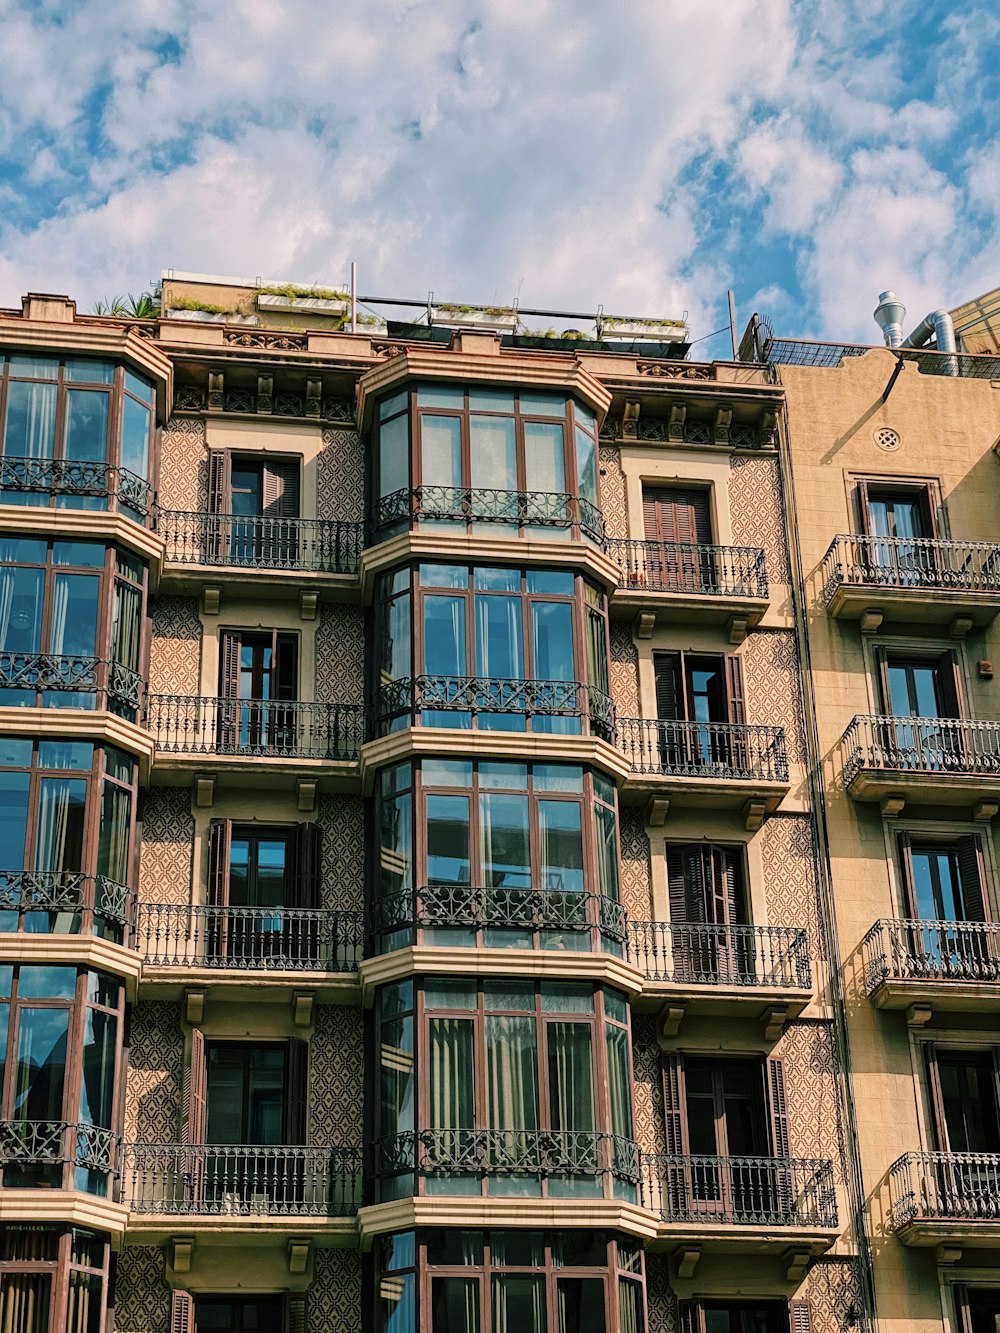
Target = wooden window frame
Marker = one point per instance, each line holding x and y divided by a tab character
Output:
926	493
294	1309
932	1050
651	509
61	1267
951	678
194	1096
730	666
970	855
797	1314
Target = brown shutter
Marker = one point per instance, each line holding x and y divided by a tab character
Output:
285	678
651	516
734	689
780	1144
676	516
962	1306
951	692
727	874
306	883
970	866
181	1312
281	489
194	1107
220	833
673	1104
295	1313
229	664
937	1099
882	671
692	1317
905	846
799	1317
864	509
666	667
220	491
677	896
927	516
296	1127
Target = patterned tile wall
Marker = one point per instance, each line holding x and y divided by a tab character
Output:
832	1287
340	655
659	1294
755	510
336	1077
153	1082
175	646
340	476
811	1087
773	691
342	820
790	884
635	885
167	846
624	670
334	1303
183	465
647	1085
613	503
142	1296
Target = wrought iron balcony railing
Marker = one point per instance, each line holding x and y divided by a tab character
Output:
246	542
910	562
74	903
525	910
253	938
753	956
96	483
530	512
26	1144
216	1179
486	697
704	749
257	728
112	685
715	571
945	1186
740	1191
931	951
507	1152
921	745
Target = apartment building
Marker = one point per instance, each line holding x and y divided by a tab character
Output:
416	916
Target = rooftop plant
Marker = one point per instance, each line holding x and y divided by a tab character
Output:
316	293
144	306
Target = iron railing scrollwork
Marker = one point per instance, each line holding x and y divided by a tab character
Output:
217	1179
492	694
32	1143
901	950
921	745
741	1191
704	749
720	955
73	672
714	571
463	905
944	1186
64	476
489	505
254	938
70	896
256	728
507	1152
325	546
930	564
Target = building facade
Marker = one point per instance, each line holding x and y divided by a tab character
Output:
417	914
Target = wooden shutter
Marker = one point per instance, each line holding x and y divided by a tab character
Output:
281	488
295	1313
905	844
296	1107
864	508
926	510
220	489
800	1317
229	664
285	676
692	1317
970	867
220	834
669	701
673	1103
181	1312
734	689
676	515
951	692
677	892
936	1098
727	886
962	1306
194	1107
306	881
780	1144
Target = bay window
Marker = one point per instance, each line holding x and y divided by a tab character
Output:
52	1278
77	434
524	1091
497	854
67	836
498	649
481	459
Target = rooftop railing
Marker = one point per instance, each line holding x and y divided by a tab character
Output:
707	955
945	1186
921	745
250	938
218	1179
910	562
740	1191
92	484
237	541
462	906
532	513
931	951
711	571
65	902
255	728
485	699
703	749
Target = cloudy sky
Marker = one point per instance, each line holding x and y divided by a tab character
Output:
644	155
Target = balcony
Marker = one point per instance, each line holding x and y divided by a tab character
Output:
710	584
946	1197
485	511
926	760
718	764
554	707
47	1153
65	902
257	739
54	680
952	966
760	972
913	579
167	1180
742	1200
251	549
74	485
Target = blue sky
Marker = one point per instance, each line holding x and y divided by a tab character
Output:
644	155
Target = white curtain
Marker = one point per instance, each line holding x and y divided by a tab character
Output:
127	626
499	638
451	1074
511	1073
630	1318
31	420
494	453
571	1082
518	1303
60	608
24	1302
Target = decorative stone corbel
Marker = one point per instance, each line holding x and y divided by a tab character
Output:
306	794
723	420
960	626
194	1007
773	1020
947	1254
768	426
204	790
753	814
983	811
918	1015
675	426
630	420
656	811
314	397
216	391
796	1263
211	600
298	1253
687	1261
645	623
265	392
669	1019
302	1007
891	806
737	627
181	1250
870	621
308	602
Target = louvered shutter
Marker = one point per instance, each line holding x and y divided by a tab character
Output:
905	845
219	842
281	489
220	492
926	509
800	1317
295	1313
692	1317
970	866
229	665
734	689
677	516
296	1126
677	891
651	517
780	1144
666	667
728	870
864	509
181	1312
951	694
673	1183
882	671
194	1108
308	935
306	884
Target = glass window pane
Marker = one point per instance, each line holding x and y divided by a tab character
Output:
619	1087
552	640
517	1249
61	809
507	994
66	754
499	638
21	594
543	404
396	1075
393	456
506	860
544	458
388	407
22	550
607	851
440	396
499	775
567	997
395	639
554	582
518	1302
455	1248
396	844
451	1063
139	385
493	453
586	466
444	576
113	837
41	1064
13	818
511	1075
88	554
449	993
97	1088
24	1302
73	628
580	1302
558	777
34	367
86	426
496	580
447	839
135	437
126	625
89	371
398	1304
561	845
31	420
446	772
440	451
491	400
444	636
15	753
454	1305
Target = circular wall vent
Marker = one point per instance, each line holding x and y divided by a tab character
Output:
888	439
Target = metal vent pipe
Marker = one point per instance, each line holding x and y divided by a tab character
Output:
888	316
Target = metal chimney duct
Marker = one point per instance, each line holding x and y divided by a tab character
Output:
889	314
